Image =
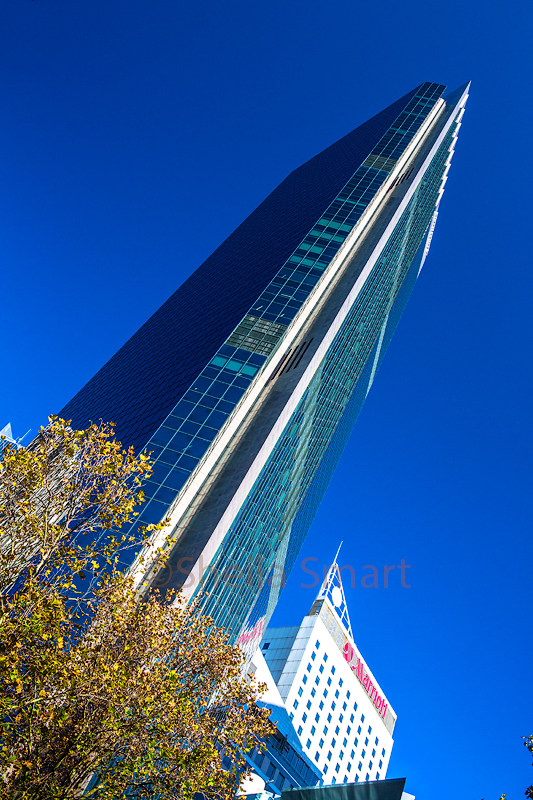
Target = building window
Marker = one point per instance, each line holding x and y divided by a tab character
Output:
377	776
370	728
325	656
367	776
352	754
313	730
337	694
344	742
333	670
366	742
360	766
363	753
383	752
329	717
300	692
266	645
308	743
341	755
325	692
325	769
317	755
304	679
300	729
304	717
377	741
308	704
348	695
348	767
340	682
344	706
317	680
345	779
317	645
271	771
373	753
333	705
355	706
281	782
337	767
321	668
313	692
333	742
380	764
321	705
317	717
351	717
369	765
291	716
356	741
348	730
337	729
356	779
313	655
329	755
295	704
359	729
341	717
309	666
334	779
329	681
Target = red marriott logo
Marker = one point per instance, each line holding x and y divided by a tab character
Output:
364	678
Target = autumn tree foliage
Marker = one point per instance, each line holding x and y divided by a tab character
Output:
103	695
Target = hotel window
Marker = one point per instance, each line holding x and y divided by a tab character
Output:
348	730
304	679
367	777
329	717
363	753
380	764
325	692
317	717
291	716
355	706
329	755
348	695
313	655
344	706
369	765
304	716
345	779
334	779
341	755
352	754
373	753
370	728
366	742
359	729
309	667
333	742
333	705
337	694
308	743
321	705
317	755
300	729
321	743
345	742
308	704
377	741
383	752
333	670
325	656
321	668
362	717
337	767
349	767
329	681
351	717
337	729
317	680
357	779
325	769
340	682
313	730
295	704
377	776
300	692
271	771
317	645
356	741
341	717
313	692
360	766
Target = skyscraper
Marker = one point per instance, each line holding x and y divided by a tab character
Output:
246	383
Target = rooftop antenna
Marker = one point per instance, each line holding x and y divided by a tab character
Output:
337	555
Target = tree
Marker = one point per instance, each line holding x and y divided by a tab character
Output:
528	742
100	694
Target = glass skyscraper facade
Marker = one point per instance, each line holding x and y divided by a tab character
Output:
246	383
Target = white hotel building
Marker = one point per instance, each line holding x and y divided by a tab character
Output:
342	718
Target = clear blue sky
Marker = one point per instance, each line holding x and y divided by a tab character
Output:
136	136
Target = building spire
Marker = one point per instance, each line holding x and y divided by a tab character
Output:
332	592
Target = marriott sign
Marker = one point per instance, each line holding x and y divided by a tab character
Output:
364	678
